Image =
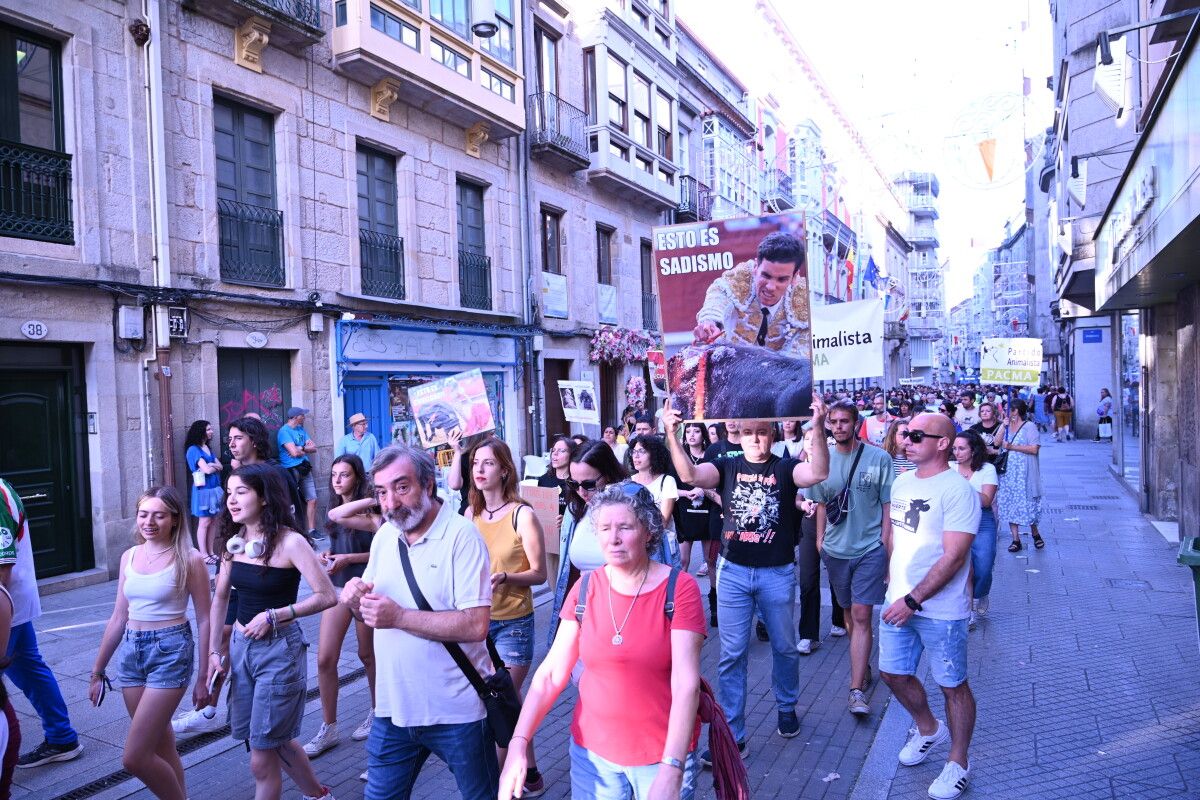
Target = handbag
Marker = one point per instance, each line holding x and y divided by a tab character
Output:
499	695
837	508
1001	461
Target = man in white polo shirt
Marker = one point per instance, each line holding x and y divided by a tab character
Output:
423	702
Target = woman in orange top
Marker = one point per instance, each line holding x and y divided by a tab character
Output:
514	541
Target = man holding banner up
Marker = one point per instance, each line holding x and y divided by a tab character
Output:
756	566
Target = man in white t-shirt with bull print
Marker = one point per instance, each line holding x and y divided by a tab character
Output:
935	513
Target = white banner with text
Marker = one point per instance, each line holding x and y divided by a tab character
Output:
847	340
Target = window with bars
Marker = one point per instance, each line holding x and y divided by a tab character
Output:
250	225
604	243
381	250
35	170
474	266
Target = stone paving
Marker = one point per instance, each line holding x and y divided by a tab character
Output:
1084	670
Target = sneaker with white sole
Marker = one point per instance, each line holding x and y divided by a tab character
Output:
327	796
981	605
917	747
194	723
364	728
48	753
857	703
805	646
951	783
327	737
837	630
703	571
363	776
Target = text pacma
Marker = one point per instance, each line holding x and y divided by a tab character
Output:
704	262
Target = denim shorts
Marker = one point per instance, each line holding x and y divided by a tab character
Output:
597	778
267	683
514	640
858	581
157	659
945	640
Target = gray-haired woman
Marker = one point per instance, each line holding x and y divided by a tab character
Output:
635	724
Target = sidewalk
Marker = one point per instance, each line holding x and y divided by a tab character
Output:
1084	670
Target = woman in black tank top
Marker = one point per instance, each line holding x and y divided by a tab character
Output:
264	557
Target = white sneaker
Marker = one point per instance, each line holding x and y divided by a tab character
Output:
918	746
837	630
327	737
363	777
951	783
194	723
364	728
982	604
703	571
327	796
805	646
972	620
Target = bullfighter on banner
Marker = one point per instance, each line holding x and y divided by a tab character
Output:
733	300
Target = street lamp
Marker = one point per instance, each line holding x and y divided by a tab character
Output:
483	18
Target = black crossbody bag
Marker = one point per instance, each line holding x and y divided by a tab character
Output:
497	692
839	506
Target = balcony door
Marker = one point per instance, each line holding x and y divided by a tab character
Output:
251	226
474	267
381	250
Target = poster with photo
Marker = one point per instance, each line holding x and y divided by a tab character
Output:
656	364
459	402
733	300
579	402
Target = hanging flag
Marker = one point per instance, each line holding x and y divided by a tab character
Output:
871	274
987	149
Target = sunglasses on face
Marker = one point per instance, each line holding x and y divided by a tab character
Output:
587	486
916	437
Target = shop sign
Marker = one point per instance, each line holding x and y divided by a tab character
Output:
1093	335
1127	217
392	344
35	329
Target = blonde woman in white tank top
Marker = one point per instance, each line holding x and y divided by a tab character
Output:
152	639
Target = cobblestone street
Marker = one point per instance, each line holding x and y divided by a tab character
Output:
1083	669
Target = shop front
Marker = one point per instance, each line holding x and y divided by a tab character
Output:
377	366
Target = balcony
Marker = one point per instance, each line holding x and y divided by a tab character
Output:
391	51
35	193
695	201
923	206
382	260
475	280
894	330
630	171
923	234
649	312
557	132
251	244
295	24
777	190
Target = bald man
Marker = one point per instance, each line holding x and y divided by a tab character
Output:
935	513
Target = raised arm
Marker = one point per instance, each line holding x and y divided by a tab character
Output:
704	475
816	469
358	514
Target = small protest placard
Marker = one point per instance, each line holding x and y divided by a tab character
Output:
848	340
579	402
1011	362
656	361
458	402
544	502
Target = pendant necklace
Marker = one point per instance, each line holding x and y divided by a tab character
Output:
491	511
617	638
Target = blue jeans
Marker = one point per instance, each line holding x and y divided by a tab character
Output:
395	756
739	590
35	680
596	778
983	555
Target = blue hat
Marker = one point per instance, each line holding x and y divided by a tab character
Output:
296	411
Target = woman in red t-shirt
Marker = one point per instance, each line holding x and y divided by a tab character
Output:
635	724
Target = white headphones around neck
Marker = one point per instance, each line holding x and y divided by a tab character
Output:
237	545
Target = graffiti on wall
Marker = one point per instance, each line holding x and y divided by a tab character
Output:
268	404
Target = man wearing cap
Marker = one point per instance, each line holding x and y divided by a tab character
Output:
294	449
359	441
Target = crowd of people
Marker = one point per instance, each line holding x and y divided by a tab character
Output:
899	494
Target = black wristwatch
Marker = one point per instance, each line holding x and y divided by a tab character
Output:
912	603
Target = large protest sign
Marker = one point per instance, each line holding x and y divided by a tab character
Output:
1011	362
579	402
847	340
456	403
733	300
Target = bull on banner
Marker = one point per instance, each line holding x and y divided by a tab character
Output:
1011	362
733	300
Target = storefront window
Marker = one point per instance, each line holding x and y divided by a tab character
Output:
1129	427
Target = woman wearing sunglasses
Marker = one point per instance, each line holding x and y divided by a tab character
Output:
593	467
893	444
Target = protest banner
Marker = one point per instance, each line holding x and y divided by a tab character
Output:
1011	362
656	362
544	502
554	295
847	340
579	402
910	381
456	403
733	301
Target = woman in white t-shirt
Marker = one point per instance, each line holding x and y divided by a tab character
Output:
971	461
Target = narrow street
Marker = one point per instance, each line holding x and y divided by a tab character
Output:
1083	669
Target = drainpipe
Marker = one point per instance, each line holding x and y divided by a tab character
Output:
535	372
151	40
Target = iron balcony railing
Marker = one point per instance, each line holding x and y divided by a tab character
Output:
251	241
778	188
695	201
305	11
649	312
555	122
382	258
35	193
475	280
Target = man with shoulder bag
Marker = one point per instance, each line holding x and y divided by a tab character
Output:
427	592
295	447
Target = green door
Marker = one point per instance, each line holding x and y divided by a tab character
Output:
40	456
255	381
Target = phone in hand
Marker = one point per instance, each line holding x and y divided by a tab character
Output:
105	687
216	680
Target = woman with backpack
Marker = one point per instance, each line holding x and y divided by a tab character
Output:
1062	406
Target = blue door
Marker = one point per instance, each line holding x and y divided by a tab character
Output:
368	394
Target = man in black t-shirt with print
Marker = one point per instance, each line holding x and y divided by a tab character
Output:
758	550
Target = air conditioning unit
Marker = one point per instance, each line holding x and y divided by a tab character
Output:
1110	81
1077	181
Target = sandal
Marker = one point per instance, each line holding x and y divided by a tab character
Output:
1038	541
1014	547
